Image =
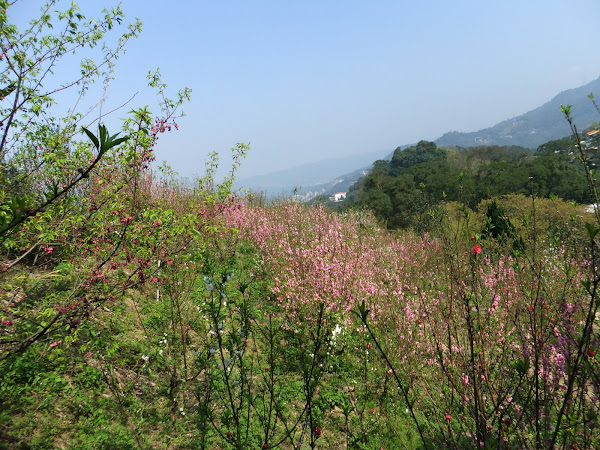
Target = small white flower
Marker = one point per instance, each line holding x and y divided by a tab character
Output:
336	332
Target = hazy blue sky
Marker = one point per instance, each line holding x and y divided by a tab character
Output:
305	80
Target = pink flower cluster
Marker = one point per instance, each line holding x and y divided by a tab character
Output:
473	319
314	256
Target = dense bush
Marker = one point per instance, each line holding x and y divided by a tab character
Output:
420	177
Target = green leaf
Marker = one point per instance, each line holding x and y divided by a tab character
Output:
93	138
7	90
521	366
103	132
588	286
118	141
362	312
591	230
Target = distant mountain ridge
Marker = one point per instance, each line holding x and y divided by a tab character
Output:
315	178
535	127
529	130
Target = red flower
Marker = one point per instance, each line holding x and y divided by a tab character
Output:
448	417
477	249
591	353
318	431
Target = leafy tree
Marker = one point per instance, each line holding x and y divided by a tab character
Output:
67	195
563	145
379	202
37	152
423	152
407	201
381	165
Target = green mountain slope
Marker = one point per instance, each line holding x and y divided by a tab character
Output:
535	127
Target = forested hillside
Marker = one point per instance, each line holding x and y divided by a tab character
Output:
401	191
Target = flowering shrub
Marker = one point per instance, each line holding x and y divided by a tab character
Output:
314	256
501	332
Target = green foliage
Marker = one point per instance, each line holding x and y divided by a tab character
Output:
498	226
564	145
104	141
423	152
403	191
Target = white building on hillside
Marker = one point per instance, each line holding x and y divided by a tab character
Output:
337	197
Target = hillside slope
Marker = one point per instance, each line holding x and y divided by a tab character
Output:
535	127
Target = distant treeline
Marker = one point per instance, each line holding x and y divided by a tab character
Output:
401	191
